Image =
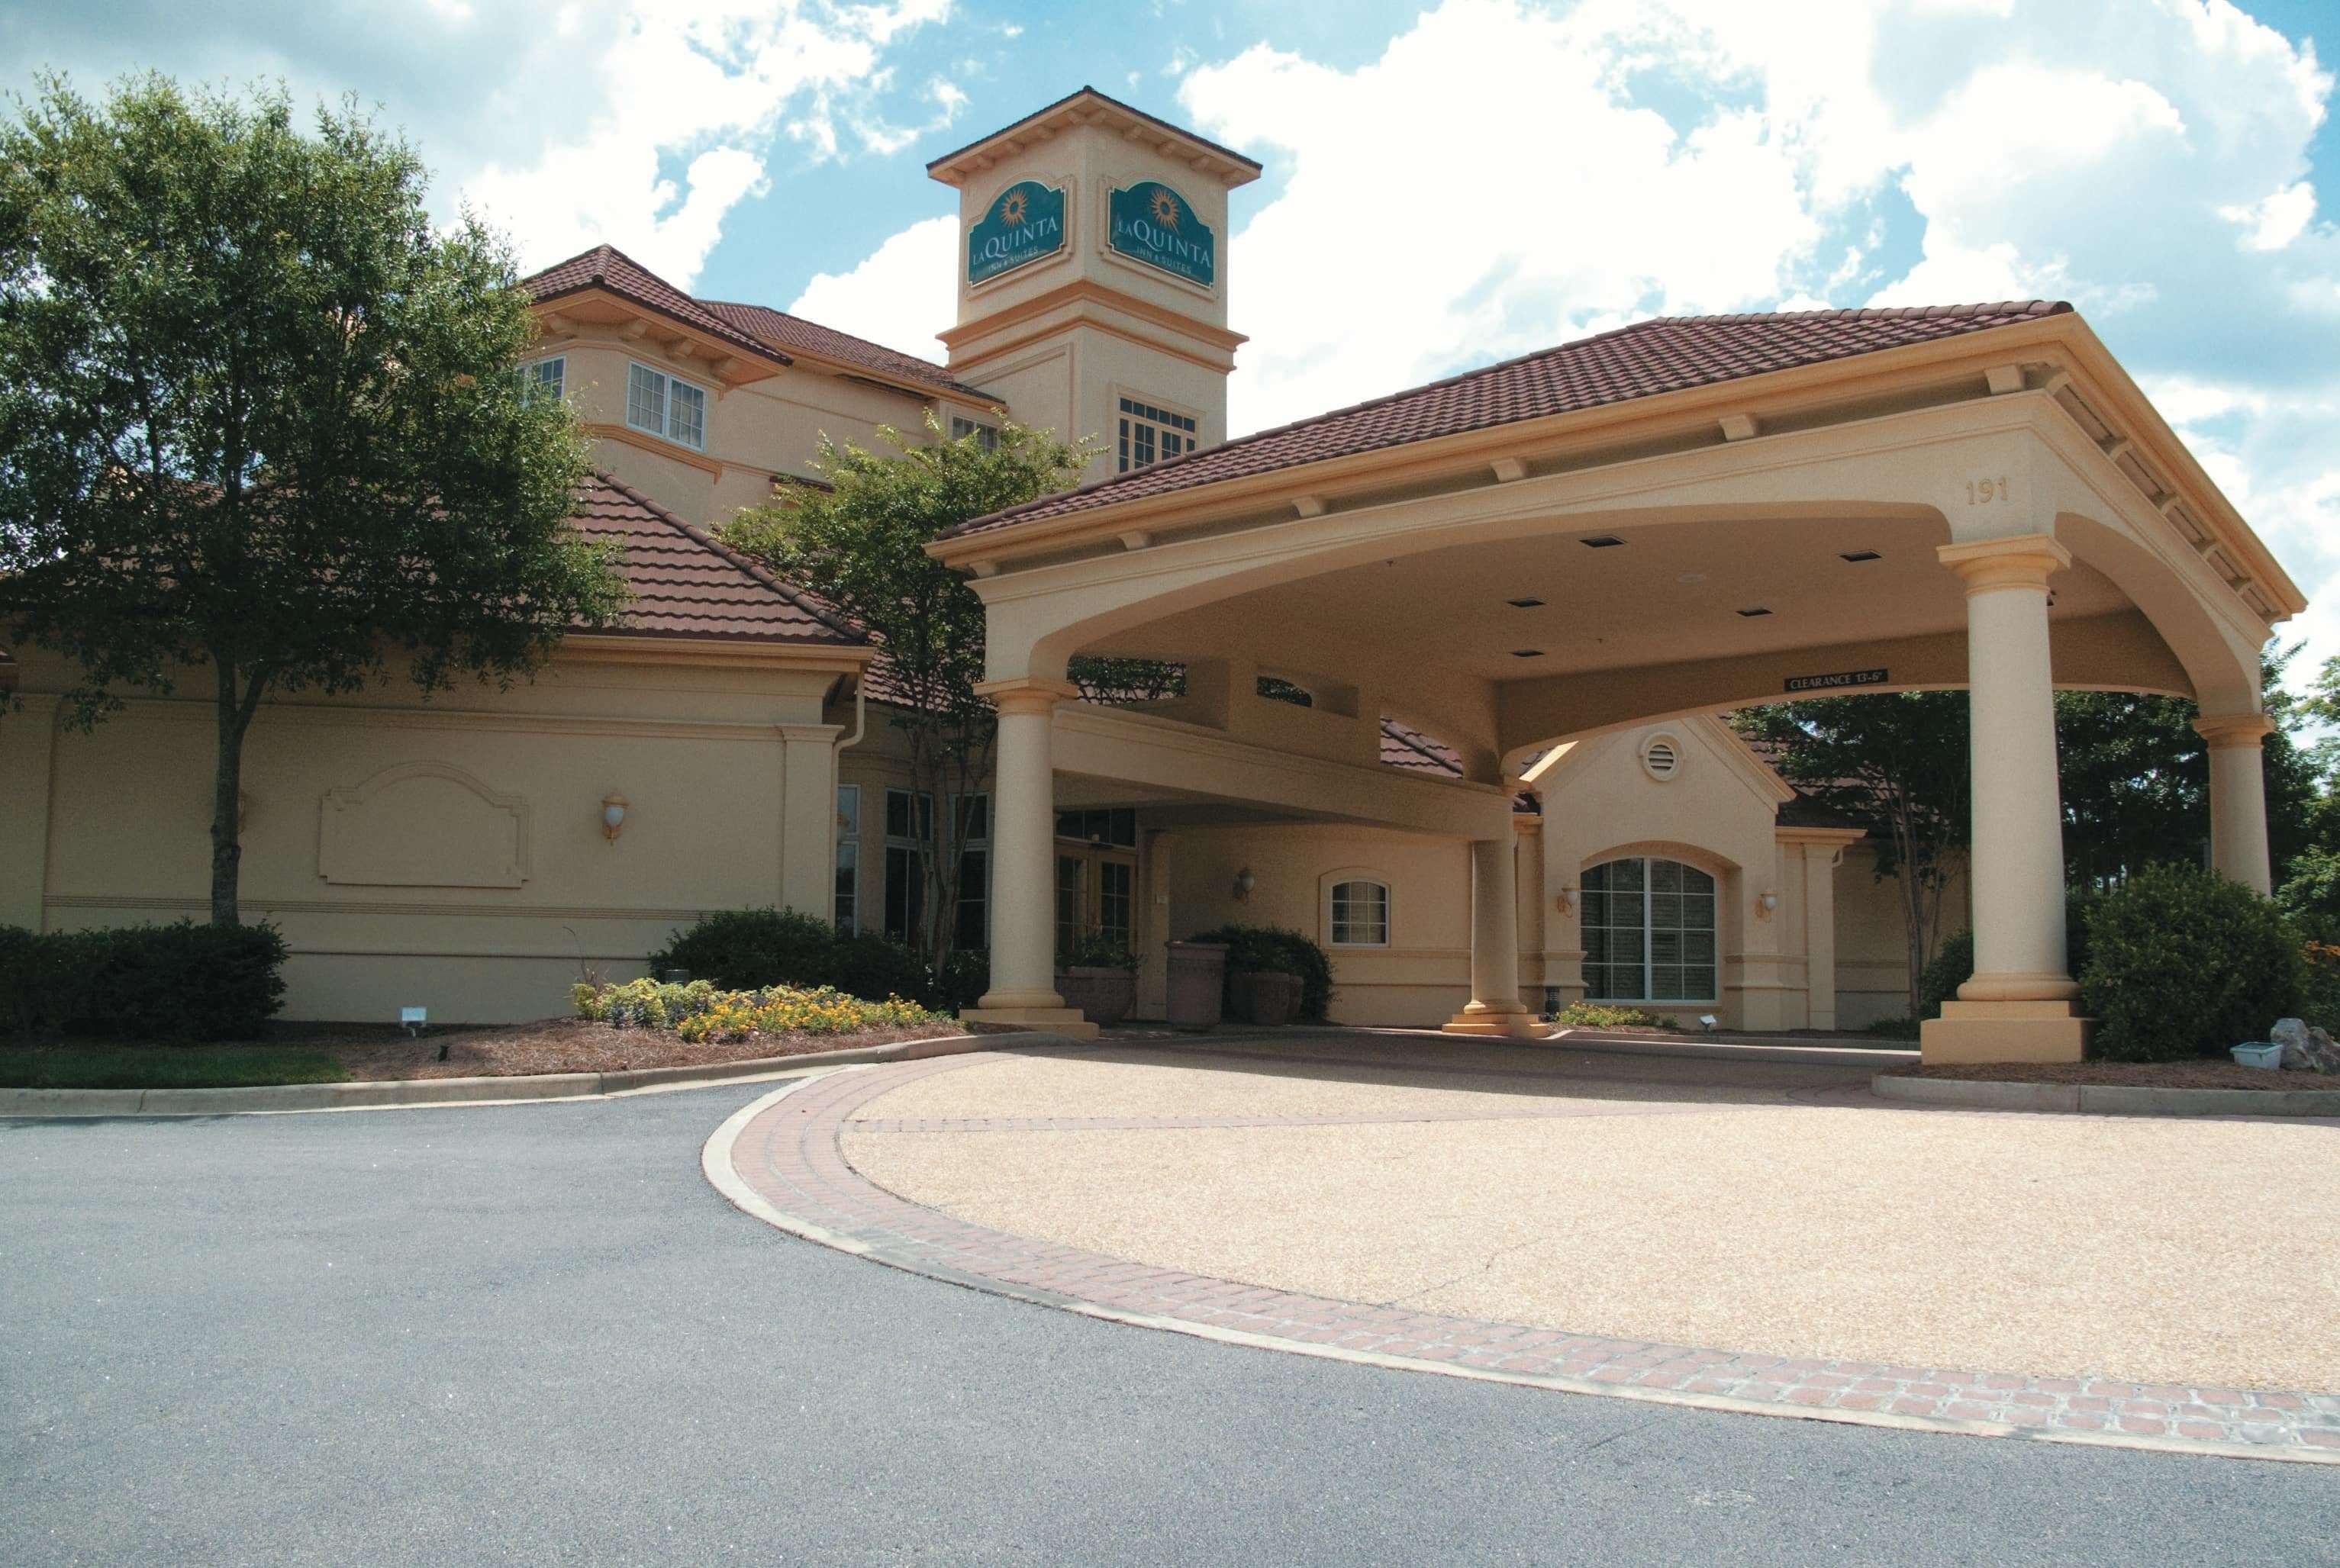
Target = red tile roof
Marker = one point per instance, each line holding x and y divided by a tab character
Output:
784	331
1668	354
688	585
607	267
1047	110
1403	746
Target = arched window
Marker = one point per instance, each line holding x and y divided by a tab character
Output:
1359	914
1649	931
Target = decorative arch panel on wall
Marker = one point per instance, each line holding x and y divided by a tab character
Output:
422	825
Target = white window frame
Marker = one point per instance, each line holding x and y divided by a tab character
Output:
910	853
534	380
986	436
965	845
1649	936
654	414
1161	424
1355	877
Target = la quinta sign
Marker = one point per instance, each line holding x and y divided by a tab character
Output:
1023	222
1159	226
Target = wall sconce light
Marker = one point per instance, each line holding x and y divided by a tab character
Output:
1765	902
613	816
1566	900
1244	882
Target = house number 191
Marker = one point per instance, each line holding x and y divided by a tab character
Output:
1983	493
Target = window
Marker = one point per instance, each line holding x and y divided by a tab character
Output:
1276	689
986	436
909	839
971	832
663	405
1149	434
1118	827
1359	914
848	857
544	378
1072	900
1649	931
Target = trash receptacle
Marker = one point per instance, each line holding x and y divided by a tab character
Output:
1197	981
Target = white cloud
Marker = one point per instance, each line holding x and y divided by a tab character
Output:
899	296
711	84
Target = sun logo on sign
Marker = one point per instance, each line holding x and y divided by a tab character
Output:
1165	209
1014	207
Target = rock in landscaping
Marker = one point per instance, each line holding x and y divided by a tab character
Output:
2304	1048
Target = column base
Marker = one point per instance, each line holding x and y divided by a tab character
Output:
1067	1021
2034	1030
1519	1025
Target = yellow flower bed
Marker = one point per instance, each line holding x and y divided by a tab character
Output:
698	1012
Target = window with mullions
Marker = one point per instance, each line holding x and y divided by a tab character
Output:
909	839
848	857
1149	435
986	436
1649	931
544	378
1117	827
1359	914
663	405
971	832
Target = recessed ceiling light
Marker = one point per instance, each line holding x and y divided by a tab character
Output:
1526	603
1691	579
1858	556
1527	653
1753	613
1600	541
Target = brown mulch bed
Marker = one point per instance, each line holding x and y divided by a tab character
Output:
2203	1074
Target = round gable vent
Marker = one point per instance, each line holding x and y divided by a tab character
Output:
1661	755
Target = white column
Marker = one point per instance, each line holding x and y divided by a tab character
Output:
2017	1007
1023	864
808	818
1494	1007
2238	826
1819	933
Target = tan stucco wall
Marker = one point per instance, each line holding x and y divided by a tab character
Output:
449	853
1872	964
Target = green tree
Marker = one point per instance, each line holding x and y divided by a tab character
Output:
2136	779
861	546
1896	763
257	414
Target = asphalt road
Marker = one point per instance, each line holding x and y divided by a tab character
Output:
534	1334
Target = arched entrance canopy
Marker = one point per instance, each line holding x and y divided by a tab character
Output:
2001	511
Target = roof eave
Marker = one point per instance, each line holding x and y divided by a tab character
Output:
1083	107
746	354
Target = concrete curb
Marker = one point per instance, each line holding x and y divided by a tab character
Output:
1811	1053
402	1094
718	1163
2105	1098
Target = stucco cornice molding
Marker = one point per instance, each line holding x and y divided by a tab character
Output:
1820	837
1027	693
1068	295
619	648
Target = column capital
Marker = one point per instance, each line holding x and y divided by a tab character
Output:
2017	561
2226	730
1026	693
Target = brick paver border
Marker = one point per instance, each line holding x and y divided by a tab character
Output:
781	1158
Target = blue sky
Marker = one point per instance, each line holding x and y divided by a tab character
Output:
1449	182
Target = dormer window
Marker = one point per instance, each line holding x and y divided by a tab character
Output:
663	405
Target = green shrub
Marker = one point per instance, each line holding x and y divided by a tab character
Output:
163	982
1893	1029
963	978
1095	950
1279	951
2319	996
1953	963
2182	962
750	949
1604	1015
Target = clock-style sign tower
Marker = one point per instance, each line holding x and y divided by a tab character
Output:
1092	276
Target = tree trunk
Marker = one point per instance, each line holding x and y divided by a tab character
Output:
227	791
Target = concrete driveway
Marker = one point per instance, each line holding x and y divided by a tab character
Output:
533	1334
1752	1206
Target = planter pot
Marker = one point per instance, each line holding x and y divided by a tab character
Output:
1104	996
1265	996
2258	1054
1197	981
